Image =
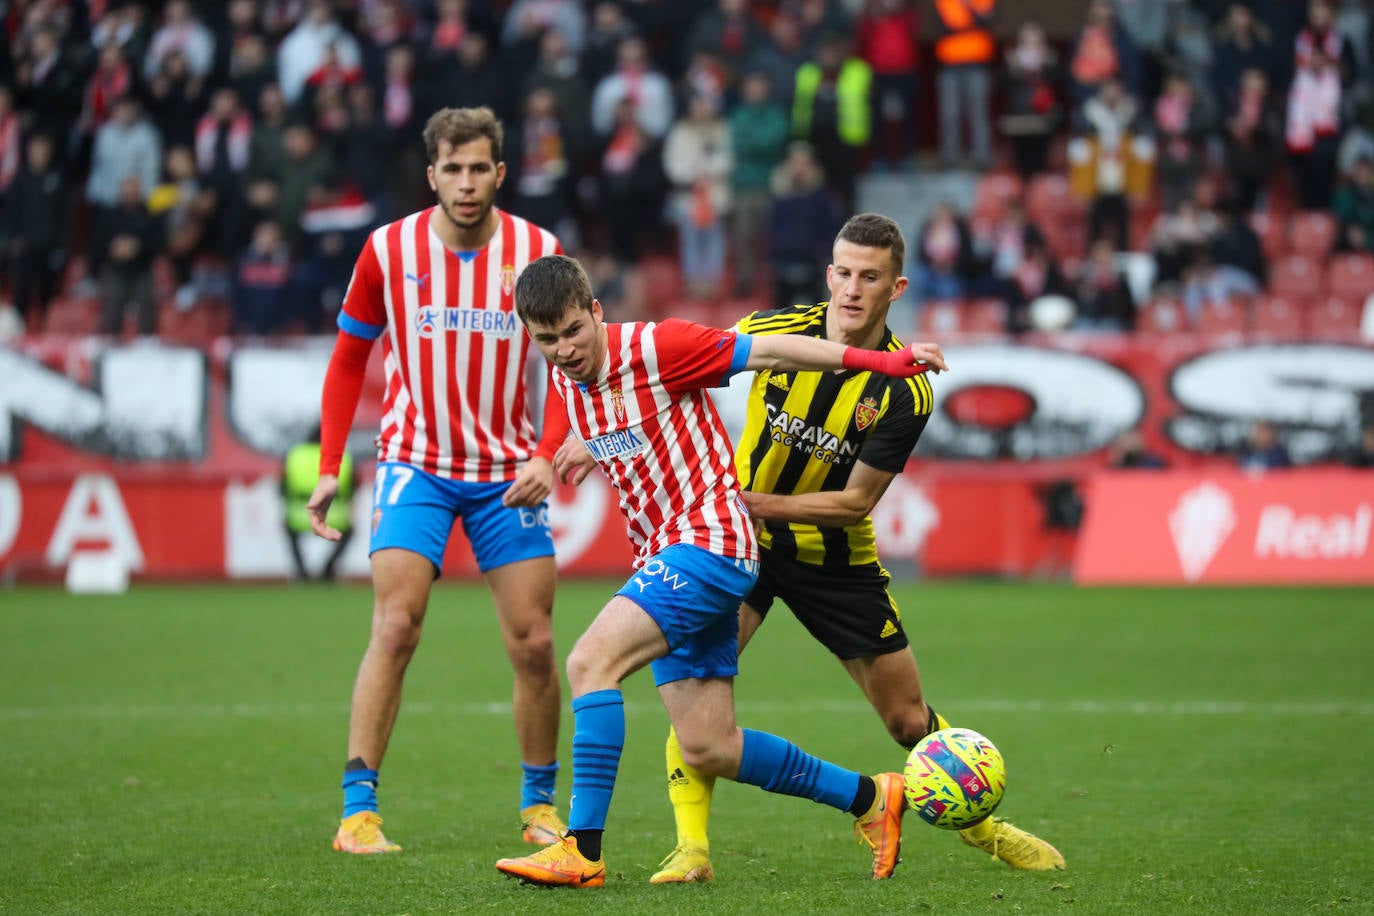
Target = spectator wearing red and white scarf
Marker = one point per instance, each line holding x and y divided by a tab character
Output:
1313	129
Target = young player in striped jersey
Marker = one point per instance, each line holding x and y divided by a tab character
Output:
635	396
456	442
817	452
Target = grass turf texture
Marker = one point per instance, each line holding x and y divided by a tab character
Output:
178	749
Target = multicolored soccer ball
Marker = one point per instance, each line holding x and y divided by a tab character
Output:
954	778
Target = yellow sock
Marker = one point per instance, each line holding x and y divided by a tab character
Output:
979	831
690	792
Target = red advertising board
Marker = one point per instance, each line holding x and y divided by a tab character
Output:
1289	526
170	453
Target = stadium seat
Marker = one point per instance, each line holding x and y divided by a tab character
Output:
72	316
1312	232
1333	317
1067	236
1161	316
993	191
198	325
1351	276
1226	317
984	316
1048	200
1296	276
662	278
1272	232
940	316
1277	318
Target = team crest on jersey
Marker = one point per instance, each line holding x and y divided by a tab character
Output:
507	278
865	411
618	405
425	322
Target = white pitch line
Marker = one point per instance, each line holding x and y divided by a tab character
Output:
1238	708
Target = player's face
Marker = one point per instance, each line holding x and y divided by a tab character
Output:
863	282
576	344
465	179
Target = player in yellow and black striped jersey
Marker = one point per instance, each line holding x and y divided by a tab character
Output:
818	451
806	431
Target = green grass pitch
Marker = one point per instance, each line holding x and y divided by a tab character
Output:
178	750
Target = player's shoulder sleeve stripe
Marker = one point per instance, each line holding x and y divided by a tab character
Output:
350	325
791	320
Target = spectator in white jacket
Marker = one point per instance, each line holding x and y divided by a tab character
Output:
181	31
305	47
648	90
698	158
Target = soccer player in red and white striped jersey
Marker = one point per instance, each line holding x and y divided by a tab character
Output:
635	395
456	441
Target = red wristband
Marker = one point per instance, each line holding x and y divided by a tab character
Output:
898	363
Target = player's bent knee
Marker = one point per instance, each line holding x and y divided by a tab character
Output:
396	631
585	671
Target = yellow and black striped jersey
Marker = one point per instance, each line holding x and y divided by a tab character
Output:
804	430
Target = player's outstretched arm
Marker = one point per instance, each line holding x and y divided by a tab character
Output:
829	508
795	352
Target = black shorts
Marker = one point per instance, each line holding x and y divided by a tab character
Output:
848	609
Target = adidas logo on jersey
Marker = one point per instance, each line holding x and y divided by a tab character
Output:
779	381
889	629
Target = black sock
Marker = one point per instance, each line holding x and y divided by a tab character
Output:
868	790
588	843
357	763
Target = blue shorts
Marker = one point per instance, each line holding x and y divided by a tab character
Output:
694	597
414	510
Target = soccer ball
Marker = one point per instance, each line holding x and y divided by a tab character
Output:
954	778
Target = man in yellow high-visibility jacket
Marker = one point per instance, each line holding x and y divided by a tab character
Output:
300	473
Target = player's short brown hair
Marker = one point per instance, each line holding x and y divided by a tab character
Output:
873	230
549	287
457	126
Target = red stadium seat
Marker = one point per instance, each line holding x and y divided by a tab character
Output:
940	316
993	191
1049	199
1222	318
72	316
1297	276
1277	318
985	316
1273	233
1351	276
1312	232
1067	237
662	279
1162	316
1334	317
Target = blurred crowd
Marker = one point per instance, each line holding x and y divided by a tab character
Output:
155	156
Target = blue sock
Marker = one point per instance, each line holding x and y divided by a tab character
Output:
598	737
777	765
537	787
360	791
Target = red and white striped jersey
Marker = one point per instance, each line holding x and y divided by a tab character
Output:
652	427
453	348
